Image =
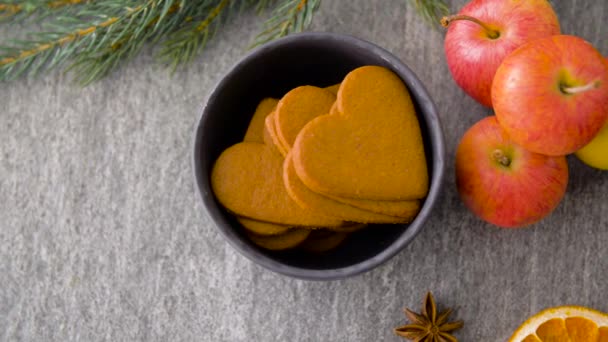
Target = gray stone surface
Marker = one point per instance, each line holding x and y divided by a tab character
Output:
103	238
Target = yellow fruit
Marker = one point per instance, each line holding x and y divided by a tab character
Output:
595	154
564	324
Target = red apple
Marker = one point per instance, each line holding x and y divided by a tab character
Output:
551	95
503	183
484	32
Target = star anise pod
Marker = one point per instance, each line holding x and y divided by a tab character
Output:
429	326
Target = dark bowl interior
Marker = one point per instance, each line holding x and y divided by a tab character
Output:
319	59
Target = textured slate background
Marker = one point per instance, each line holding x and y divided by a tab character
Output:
103	238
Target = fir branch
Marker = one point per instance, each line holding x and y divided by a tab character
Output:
61	3
124	39
184	44
291	16
9	10
94	36
94	50
431	10
262	5
16	11
49	49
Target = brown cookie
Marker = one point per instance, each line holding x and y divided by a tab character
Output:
326	206
320	241
351	228
407	208
255	130
297	108
334	109
290	239
333	88
372	149
247	179
262	228
270	135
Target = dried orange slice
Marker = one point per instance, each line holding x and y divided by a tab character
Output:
564	324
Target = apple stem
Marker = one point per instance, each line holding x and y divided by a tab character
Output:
493	34
501	157
580	89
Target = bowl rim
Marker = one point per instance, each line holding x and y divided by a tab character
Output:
438	151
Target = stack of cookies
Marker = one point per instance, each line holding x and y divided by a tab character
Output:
323	162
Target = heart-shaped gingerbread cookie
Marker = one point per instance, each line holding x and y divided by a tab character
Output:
247	179
306	198
256	126
406	208
297	108
270	135
333	88
372	148
289	239
321	241
262	228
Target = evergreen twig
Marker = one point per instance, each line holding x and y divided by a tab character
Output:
431	10
17	11
192	36
9	10
124	39
92	37
290	16
48	49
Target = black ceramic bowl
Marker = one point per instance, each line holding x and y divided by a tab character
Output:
319	59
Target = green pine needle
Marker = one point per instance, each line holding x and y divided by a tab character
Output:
192	36
124	39
431	10
291	16
91	38
14	11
